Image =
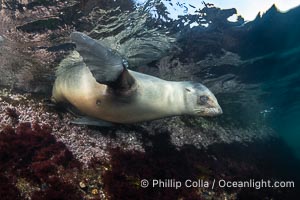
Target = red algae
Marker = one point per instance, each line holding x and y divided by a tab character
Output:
31	152
7	189
45	157
12	113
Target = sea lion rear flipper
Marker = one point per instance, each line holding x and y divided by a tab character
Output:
106	66
91	122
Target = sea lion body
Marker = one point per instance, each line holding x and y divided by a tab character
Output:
96	82
154	98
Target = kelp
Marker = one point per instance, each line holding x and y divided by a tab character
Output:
131	34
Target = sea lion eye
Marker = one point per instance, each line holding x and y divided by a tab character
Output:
202	100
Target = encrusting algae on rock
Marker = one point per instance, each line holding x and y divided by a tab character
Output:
37	166
44	156
45	166
35	162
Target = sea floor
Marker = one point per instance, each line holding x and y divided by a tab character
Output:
44	156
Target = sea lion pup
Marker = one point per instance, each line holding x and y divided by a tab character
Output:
96	81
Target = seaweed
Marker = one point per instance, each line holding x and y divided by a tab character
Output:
7	189
30	152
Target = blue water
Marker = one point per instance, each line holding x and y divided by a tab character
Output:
272	42
285	97
278	72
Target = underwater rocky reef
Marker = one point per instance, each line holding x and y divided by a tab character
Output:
44	156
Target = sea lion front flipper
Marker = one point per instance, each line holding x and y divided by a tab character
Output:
106	66
91	122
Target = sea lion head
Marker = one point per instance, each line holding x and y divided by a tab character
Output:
200	100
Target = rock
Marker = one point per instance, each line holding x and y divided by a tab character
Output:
1	39
50	23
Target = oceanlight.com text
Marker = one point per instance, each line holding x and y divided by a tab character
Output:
251	183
